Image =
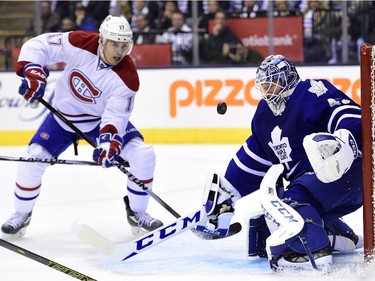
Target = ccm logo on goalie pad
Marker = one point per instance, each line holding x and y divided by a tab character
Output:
282	210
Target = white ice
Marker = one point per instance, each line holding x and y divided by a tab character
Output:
94	196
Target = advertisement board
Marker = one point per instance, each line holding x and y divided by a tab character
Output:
175	105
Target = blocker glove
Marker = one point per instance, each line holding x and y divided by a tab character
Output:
34	82
108	149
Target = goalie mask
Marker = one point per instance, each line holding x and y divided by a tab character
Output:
276	79
117	30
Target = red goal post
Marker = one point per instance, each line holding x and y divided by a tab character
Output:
367	65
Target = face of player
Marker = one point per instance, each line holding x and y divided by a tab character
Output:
114	51
271	90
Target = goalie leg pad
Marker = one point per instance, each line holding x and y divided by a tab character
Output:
309	249
310	226
313	229
257	233
296	228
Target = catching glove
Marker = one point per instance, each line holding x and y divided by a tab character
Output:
331	155
108	149
34	82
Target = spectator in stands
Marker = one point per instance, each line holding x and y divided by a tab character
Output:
245	55
284	8
121	8
354	40
50	20
64	9
250	9
97	9
212	7
234	6
140	7
82	20
222	43
314	17
67	24
165	20
143	33
180	37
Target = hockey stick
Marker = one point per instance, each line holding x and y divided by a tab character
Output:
51	161
236	227
119	164
45	261
124	251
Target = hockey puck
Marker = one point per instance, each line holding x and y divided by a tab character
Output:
221	108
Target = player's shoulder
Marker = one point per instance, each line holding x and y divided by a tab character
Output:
128	73
311	89
84	40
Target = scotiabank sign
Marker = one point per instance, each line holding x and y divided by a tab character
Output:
287	38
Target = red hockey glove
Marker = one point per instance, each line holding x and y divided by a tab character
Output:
108	149
34	82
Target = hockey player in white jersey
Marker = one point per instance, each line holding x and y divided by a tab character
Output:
96	93
306	133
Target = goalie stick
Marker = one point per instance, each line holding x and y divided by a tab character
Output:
52	161
45	261
124	251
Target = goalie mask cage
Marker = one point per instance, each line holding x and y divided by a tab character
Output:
368	121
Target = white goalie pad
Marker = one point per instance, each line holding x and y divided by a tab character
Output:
330	155
282	220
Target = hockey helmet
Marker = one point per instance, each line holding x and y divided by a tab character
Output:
276	79
116	29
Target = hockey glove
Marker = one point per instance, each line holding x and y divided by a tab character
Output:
219	206
331	155
108	149
34	82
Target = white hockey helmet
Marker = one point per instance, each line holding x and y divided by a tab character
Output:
276	79
116	29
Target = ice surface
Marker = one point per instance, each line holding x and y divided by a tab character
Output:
94	196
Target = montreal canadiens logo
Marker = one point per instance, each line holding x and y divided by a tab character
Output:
82	88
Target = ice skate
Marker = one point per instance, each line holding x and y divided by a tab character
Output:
140	222
15	226
298	262
345	242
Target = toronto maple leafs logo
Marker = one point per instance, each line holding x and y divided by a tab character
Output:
280	145
317	87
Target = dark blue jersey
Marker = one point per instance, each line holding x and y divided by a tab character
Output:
314	106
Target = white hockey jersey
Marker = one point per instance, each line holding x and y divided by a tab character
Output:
89	92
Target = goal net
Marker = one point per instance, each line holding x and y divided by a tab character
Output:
368	138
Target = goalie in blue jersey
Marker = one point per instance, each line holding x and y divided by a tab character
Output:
306	135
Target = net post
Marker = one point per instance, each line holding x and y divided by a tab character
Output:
367	106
